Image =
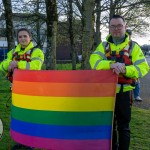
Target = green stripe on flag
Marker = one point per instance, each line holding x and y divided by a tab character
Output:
62	117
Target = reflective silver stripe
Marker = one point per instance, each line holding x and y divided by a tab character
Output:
28	52
101	54
27	65
96	64
131	48
127	47
36	58
13	51
136	66
139	71
139	62
126	53
107	47
104	44
28	57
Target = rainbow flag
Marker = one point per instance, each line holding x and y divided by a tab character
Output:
63	110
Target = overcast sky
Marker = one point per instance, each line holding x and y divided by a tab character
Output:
141	39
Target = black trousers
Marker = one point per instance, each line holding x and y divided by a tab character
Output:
122	117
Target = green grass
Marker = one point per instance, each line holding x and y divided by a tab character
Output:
5	111
140	124
66	66
140	129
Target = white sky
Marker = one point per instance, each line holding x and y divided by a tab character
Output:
140	39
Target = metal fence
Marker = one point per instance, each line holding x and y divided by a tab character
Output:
3	53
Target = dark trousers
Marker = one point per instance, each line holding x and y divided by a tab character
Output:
122	117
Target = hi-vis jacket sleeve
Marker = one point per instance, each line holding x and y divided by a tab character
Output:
98	60
4	64
140	66
138	69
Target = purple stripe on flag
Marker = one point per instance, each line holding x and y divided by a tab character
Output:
58	144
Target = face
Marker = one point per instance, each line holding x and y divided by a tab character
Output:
117	28
24	38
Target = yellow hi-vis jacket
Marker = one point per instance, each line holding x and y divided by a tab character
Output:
137	69
37	58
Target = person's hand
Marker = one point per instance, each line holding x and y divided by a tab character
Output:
118	68
13	65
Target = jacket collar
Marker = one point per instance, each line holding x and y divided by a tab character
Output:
109	39
18	47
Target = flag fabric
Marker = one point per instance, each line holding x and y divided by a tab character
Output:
63	110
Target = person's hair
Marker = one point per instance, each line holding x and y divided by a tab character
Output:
117	17
129	31
24	29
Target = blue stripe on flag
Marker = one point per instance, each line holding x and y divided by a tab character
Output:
61	132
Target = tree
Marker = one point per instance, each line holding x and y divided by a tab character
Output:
9	24
71	34
88	32
39	42
97	35
134	12
51	22
79	28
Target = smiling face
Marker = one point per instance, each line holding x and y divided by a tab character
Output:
117	28
24	38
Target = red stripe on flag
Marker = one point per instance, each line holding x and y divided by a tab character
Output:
67	76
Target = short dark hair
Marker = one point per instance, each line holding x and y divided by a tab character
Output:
24	29
129	31
116	17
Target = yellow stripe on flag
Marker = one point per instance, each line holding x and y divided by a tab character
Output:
63	103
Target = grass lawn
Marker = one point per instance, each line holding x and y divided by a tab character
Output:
140	124
140	129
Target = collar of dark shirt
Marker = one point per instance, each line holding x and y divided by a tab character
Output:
117	41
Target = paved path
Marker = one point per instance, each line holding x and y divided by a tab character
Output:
145	90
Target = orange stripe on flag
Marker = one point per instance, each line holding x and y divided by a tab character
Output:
64	89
